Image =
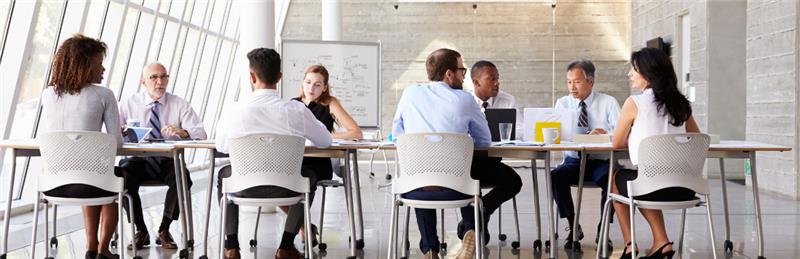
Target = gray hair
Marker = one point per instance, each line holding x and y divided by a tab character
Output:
583	64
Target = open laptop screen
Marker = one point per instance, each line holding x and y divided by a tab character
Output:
497	116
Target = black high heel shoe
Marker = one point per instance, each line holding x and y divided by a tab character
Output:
625	253
659	254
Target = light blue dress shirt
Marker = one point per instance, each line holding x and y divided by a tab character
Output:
435	107
603	112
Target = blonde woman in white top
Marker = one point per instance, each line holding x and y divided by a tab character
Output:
660	109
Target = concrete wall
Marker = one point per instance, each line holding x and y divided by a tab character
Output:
717	62
516	37
772	86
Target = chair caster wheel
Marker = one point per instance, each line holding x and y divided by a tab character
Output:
360	244
515	245
502	237
323	246
762	257
203	257
537	245
388	177
137	257
54	242
728	246
351	257
114	243
253	243
49	257
443	246
184	254
576	247
547	244
190	244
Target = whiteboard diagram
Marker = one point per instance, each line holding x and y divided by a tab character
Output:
354	69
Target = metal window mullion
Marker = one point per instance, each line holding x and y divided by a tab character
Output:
116	44
6	26
183	46
39	102
228	71
86	7
130	53
152	32
174	19
103	21
163	29
192	76
214	64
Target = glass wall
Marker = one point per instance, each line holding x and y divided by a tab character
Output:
193	39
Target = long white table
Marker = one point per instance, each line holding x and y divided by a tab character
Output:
726	149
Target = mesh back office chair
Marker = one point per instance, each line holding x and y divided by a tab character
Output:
434	159
266	160
77	157
668	160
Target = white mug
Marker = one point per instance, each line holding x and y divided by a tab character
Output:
549	135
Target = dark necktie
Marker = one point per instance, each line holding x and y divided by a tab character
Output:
154	163
155	122
583	120
485	104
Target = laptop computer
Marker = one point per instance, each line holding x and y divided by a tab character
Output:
497	116
136	134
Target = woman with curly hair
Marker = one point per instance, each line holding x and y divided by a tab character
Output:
74	101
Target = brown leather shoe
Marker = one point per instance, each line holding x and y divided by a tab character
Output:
288	254
165	240
140	240
232	253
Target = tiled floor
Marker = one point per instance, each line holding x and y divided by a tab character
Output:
780	217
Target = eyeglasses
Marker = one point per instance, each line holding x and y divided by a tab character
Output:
463	70
156	77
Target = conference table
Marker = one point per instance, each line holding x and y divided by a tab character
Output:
348	151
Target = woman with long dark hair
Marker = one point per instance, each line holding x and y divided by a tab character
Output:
74	101
660	109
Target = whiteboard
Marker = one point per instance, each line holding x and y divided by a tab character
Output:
354	68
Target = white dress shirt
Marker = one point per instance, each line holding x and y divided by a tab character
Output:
502	100
172	110
88	110
603	112
435	107
265	112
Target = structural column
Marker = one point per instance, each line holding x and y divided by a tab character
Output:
331	19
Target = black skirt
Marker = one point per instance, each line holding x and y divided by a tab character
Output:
666	194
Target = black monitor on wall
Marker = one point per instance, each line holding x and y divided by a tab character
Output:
659	43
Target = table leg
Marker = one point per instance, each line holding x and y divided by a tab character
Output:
10	195
537	244
207	217
348	192
728	244
581	177
187	193
550	215
756	203
179	184
359	215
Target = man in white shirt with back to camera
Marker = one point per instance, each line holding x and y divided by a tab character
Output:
265	112
597	113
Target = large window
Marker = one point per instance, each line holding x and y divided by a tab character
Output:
193	39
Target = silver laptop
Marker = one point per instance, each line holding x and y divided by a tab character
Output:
136	134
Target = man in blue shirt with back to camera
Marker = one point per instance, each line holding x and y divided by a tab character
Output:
597	113
442	106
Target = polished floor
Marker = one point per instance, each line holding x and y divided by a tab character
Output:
781	218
